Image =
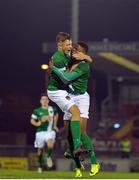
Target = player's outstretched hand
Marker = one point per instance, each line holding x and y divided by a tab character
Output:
78	55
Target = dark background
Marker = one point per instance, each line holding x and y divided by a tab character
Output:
26	24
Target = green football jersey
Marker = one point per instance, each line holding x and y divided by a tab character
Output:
79	85
61	61
38	113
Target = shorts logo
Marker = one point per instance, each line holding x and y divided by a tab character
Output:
67	97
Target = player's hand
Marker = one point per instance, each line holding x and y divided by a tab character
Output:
78	55
38	123
46	118
81	56
56	128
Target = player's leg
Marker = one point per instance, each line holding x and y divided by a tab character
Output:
70	148
50	141
75	127
39	144
83	104
50	146
83	101
87	143
69	143
40	159
65	103
67	117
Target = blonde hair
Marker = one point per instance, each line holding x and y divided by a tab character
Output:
62	36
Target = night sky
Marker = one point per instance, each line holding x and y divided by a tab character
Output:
26	24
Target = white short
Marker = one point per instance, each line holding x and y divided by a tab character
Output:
42	138
60	97
83	103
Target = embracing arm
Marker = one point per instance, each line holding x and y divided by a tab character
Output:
65	76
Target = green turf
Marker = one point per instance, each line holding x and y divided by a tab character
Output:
22	174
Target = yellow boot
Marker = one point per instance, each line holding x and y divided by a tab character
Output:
82	168
94	169
78	172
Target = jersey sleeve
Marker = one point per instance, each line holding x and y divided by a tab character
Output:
34	115
66	76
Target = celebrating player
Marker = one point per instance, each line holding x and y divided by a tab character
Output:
77	78
57	90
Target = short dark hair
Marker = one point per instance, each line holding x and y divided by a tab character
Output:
62	36
43	94
83	45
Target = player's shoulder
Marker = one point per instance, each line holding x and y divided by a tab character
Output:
57	55
35	112
37	109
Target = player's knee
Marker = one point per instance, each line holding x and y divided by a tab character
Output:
75	112
40	151
50	144
83	132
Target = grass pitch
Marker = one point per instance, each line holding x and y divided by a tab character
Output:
25	174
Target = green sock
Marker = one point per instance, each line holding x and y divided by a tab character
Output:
76	133
40	160
70	145
92	157
49	152
87	143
